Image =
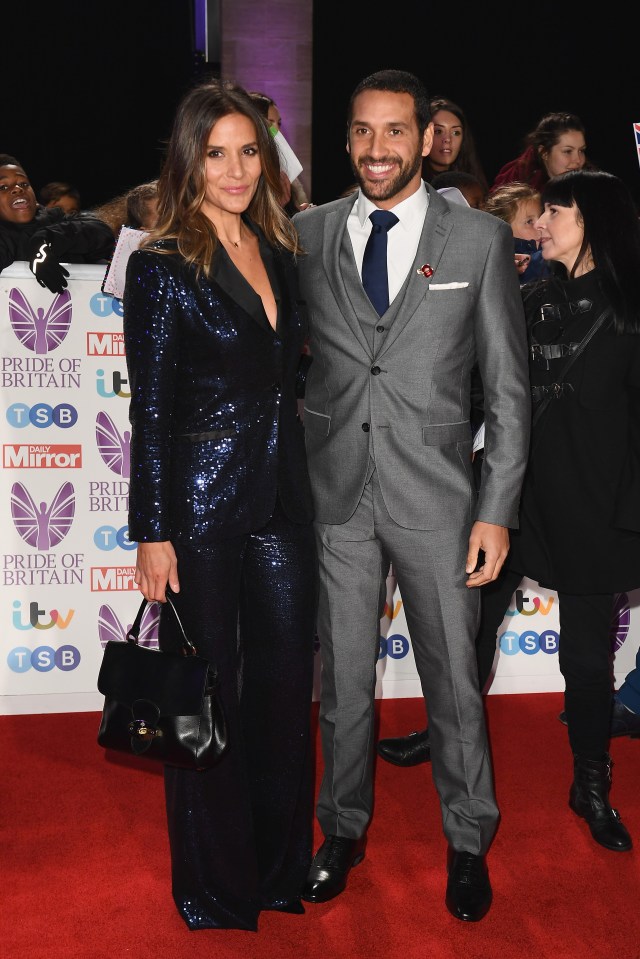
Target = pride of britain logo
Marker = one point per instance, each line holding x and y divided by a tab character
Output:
110	627
42	526
113	445
38	331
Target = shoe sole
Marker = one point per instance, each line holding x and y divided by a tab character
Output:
404	764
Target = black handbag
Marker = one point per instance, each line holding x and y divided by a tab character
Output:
160	705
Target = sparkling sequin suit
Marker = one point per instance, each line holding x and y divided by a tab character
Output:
218	467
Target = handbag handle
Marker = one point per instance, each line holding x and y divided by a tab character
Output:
132	636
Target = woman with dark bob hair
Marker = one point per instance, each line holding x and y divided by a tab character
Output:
580	509
220	503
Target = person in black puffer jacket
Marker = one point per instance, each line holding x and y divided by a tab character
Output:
45	238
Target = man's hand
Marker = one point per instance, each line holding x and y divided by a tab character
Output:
44	266
493	540
156	565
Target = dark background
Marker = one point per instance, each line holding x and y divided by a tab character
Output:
505	64
89	91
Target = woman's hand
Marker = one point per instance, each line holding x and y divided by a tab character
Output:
156	565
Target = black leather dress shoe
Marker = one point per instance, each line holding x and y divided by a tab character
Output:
624	722
408	750
468	888
330	867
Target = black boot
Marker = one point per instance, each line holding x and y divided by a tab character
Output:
589	798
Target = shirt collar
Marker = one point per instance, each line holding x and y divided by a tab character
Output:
409	211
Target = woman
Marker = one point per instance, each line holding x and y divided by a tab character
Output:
220	503
580	510
453	146
556	145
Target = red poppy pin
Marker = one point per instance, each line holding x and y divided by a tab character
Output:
426	270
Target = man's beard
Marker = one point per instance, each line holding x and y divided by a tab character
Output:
386	190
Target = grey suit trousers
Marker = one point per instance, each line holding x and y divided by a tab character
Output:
442	615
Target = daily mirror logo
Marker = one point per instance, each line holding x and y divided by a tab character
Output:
38	331
111	579
105	344
42	456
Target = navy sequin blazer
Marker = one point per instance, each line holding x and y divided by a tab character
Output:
216	434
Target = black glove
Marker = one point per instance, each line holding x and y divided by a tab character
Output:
44	266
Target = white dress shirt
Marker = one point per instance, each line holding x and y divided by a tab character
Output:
402	239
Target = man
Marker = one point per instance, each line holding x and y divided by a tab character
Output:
389	448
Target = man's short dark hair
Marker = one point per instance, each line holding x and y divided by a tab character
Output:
7	160
397	81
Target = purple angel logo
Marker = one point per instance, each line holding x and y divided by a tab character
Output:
38	331
110	627
620	622
114	448
45	526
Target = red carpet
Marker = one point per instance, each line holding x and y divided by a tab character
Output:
85	865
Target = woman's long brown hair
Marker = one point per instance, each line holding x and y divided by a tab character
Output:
182	182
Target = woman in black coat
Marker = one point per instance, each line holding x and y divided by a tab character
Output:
580	509
220	503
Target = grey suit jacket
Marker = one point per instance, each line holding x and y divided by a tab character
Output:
405	399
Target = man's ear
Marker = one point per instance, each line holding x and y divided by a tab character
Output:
427	140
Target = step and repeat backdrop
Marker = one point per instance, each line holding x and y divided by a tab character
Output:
67	584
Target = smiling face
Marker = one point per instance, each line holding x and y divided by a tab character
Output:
232	166
561	233
17	200
385	147
569	153
447	139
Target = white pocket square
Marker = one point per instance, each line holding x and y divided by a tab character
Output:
448	286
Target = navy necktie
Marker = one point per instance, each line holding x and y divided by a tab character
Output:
374	262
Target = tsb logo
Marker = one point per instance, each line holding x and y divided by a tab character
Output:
395	647
108	538
42	415
43	659
103	305
529	642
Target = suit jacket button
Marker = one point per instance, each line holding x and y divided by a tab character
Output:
375	370
379	329
365	427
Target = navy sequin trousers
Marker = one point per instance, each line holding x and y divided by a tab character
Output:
241	833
